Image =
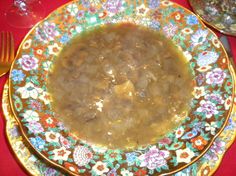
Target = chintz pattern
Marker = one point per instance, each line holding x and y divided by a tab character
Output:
210	106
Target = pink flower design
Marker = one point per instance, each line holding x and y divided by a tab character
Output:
28	62
217	76
170	30
154	158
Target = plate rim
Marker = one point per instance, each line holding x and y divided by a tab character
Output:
208	23
73	173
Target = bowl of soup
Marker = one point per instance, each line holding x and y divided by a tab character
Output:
111	88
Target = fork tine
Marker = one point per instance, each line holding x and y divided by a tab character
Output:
2	46
12	52
7	47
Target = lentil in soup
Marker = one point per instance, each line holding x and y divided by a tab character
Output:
120	86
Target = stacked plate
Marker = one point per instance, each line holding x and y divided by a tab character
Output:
45	147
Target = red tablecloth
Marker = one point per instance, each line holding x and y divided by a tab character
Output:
9	164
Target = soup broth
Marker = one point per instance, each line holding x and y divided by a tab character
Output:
120	86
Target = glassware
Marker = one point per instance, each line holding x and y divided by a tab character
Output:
25	13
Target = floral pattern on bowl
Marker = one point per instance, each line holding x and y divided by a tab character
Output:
210	107
35	166
219	14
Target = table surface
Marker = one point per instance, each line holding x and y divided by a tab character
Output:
9	164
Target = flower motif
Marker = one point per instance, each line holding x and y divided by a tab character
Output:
228	103
170	30
188	55
211	127
204	68
140	172
131	158
217	76
179	132
187	31
80	15
17	75
199	92
154	158
166	3
200	79
184	155
61	154
113	6
205	170
192	20
29	90
155	25
177	16
82	155
37	142
54	49
30	116
126	173
48	121
214	98
100	168
35	105
47	65
34	127
64	39
208	108
142	10
71	167
199	37
199	142
38	51
164	141
52	136
206	58
47	32
215	41
64	142
72	9
156	15
153	4
218	147
28	62
45	97
113	155
27	44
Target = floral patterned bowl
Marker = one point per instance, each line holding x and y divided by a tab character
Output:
210	106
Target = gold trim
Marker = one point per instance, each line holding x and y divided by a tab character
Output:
208	23
8	112
67	170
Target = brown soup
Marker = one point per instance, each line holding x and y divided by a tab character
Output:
120	86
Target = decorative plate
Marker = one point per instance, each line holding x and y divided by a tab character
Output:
210	106
219	14
35	166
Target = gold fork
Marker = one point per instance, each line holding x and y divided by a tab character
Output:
6	52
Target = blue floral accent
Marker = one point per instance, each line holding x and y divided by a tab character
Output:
65	38
155	25
85	3
192	20
131	158
37	142
153	4
17	75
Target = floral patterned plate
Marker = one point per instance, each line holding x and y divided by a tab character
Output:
219	14
35	166
210	106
